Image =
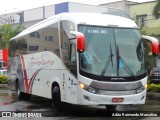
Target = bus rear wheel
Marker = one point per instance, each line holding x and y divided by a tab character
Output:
111	107
21	95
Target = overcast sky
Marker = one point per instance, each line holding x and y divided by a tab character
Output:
8	6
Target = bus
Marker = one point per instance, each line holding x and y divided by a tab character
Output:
81	59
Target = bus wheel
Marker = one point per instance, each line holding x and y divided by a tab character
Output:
111	107
20	94
56	98
27	96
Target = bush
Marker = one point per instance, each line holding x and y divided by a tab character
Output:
3	79
153	88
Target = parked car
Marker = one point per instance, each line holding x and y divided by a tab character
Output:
155	75
3	72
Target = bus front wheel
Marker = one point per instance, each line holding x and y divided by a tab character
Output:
111	107
56	98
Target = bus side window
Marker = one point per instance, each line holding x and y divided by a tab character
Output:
72	59
68	48
73	53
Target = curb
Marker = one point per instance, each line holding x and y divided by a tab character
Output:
152	95
5	91
3	85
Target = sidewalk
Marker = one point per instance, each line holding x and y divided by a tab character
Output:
5	91
3	86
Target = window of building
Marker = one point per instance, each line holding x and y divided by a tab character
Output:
49	38
35	35
33	48
141	19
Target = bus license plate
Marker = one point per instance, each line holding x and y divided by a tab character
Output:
117	99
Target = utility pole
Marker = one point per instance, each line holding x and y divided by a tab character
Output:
43	11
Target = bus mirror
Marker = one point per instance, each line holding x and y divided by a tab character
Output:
153	44
81	44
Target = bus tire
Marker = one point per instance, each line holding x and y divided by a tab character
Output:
56	98
27	96
21	95
111	107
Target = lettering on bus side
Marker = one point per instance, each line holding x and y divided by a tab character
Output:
41	62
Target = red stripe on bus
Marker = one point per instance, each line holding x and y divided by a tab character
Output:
25	75
33	78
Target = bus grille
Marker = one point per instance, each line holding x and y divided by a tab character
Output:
117	93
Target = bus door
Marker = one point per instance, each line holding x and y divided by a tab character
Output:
72	76
68	46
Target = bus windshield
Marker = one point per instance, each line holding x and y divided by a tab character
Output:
112	52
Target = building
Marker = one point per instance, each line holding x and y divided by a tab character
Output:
119	7
32	16
35	15
141	13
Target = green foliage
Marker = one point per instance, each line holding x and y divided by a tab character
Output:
148	82
3	79
153	88
156	10
7	31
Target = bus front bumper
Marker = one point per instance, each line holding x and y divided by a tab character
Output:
87	98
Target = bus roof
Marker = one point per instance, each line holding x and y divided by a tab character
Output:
83	18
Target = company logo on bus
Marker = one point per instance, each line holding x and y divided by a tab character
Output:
41	62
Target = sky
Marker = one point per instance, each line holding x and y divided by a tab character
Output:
9	6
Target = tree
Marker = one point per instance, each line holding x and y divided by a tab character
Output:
156	10
7	31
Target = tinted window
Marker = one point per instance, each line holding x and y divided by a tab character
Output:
51	39
66	27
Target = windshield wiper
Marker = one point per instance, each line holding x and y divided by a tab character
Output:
125	66
108	61
117	56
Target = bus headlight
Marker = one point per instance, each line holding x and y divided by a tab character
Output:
89	89
82	85
139	90
145	86
93	90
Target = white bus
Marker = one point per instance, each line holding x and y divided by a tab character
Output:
80	58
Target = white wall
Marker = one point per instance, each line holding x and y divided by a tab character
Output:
49	11
37	13
33	14
76	7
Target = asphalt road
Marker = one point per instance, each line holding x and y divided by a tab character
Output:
41	107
